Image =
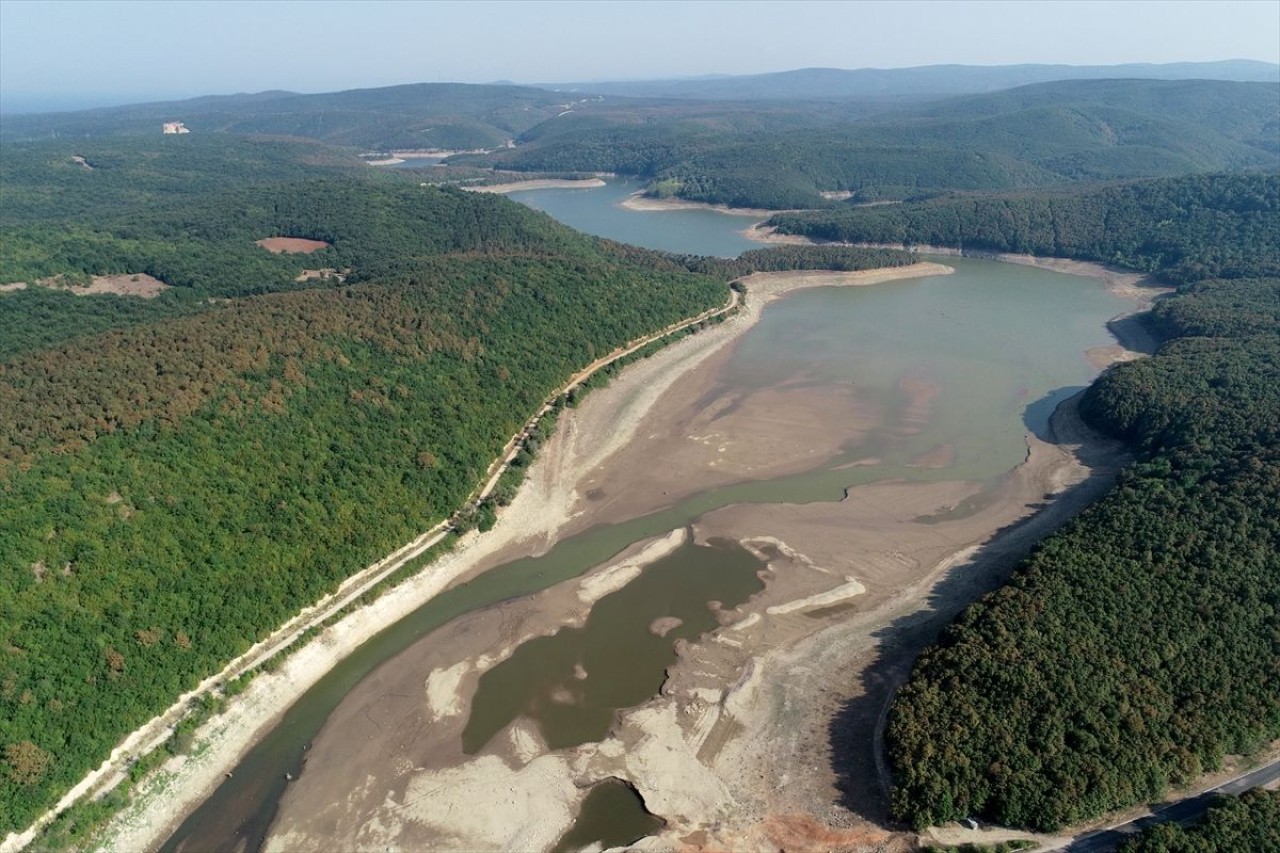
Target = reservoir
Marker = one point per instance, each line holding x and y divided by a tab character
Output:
683	231
959	369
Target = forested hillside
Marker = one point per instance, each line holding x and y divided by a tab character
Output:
926	81
420	115
188	211
1140	644
783	157
87	180
776	154
1184	228
179	476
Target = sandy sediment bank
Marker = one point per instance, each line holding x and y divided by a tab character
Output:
774	284
543	508
1124	283
639	201
540	184
513	795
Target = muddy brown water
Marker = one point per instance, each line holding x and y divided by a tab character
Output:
573	681
612	815
996	346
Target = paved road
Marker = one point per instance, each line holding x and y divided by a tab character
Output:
1183	811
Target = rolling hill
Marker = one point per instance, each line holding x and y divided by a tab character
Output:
1038	135
928	81
421	115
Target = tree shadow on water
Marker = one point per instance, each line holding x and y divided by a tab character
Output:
1036	416
855	734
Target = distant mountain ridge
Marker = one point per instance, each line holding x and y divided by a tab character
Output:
923	81
776	154
415	115
757	155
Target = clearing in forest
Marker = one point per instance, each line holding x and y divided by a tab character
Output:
292	245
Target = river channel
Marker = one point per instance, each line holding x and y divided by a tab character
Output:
993	347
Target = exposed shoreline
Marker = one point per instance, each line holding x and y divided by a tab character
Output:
731	751
638	201
540	511
539	184
1121	282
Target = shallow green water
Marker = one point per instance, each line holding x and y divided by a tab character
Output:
571	682
1001	343
612	815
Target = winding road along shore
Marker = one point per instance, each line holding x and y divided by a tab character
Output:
157	731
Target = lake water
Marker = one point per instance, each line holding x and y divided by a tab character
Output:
999	344
599	211
613	815
571	683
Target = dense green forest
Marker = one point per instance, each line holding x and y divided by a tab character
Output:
188	212
781	157
181	475
1141	643
1249	823
773	259
413	116
44	182
1187	229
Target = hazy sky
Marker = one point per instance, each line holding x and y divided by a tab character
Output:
66	53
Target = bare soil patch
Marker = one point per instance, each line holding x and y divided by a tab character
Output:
639	201
139	284
706	435
321	274
292	245
540	184
125	284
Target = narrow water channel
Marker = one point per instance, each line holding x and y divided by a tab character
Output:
995	344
